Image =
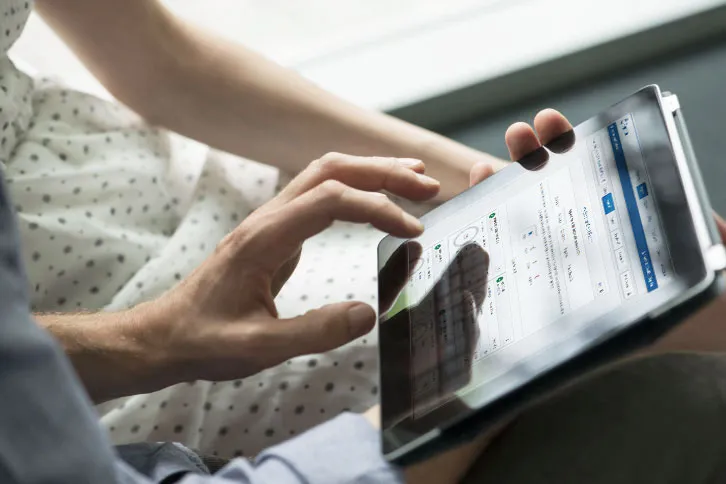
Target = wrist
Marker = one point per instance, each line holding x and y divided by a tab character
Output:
148	349
109	351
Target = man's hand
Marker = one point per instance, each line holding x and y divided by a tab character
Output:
221	322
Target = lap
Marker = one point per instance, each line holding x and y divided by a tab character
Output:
655	419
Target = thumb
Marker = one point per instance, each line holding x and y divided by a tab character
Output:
480	172
326	328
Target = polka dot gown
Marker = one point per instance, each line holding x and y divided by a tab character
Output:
114	212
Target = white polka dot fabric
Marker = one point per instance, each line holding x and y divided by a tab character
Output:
114	212
14	16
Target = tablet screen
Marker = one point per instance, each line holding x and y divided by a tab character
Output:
564	245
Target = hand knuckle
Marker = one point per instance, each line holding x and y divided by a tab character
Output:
382	202
233	241
331	158
330	167
330	164
224	244
263	230
252	236
392	166
332	189
332	155
391	163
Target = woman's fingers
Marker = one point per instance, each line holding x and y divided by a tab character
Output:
554	130
401	176
521	140
551	129
550	124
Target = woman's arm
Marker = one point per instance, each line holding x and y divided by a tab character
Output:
229	97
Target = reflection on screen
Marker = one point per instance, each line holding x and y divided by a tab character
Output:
563	248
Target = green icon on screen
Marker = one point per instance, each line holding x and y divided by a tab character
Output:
438	246
500	279
492	215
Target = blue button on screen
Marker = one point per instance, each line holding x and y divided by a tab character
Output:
642	190
608	203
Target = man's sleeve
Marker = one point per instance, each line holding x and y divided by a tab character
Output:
341	451
49	430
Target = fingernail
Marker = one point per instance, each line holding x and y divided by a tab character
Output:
534	160
427	180
563	143
412	222
361	318
409	161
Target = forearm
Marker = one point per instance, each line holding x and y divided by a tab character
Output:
236	100
229	97
108	351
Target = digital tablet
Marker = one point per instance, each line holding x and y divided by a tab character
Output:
572	257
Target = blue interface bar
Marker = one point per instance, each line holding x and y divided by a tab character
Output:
640	243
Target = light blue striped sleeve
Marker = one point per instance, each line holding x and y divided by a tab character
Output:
343	450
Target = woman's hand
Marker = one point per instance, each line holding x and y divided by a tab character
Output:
221	322
551	130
